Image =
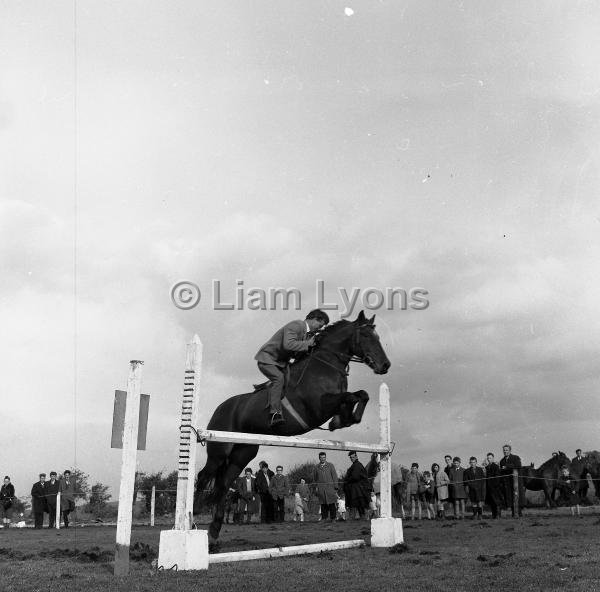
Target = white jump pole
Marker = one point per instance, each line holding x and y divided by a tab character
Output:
385	457
187	444
288	441
183	547
386	531
130	436
284	551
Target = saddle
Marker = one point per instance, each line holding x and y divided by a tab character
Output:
265	385
287	406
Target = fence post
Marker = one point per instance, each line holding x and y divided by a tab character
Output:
58	511
152	505
130	436
515	508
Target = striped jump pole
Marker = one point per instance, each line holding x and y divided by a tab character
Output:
187	447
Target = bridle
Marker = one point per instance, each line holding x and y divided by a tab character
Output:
345	359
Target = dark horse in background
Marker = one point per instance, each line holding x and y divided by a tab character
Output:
399	480
545	477
317	388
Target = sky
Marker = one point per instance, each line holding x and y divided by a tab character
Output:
447	146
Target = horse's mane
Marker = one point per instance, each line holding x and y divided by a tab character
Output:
555	461
333	328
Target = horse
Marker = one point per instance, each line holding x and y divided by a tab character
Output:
316	390
545	478
592	469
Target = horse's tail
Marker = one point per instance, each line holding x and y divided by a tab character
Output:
214	489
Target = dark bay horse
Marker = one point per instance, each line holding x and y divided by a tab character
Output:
592	469
545	477
317	389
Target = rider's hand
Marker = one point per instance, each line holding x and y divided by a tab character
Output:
311	342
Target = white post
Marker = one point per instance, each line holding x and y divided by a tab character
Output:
386	531
58	512
130	435
385	459
152	505
187	440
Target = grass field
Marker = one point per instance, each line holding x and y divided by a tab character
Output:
542	551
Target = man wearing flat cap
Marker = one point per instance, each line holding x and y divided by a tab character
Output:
357	486
39	501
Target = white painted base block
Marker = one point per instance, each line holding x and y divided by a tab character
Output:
188	549
386	532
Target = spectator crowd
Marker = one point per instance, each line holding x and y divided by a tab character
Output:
435	493
44	496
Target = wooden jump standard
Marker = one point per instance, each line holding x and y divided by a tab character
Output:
188	549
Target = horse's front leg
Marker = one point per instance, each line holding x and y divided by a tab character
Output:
359	409
351	409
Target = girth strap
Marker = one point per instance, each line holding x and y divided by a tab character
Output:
288	406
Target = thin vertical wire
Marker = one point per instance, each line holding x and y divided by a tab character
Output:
75	231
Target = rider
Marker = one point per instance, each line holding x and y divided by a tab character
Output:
274	356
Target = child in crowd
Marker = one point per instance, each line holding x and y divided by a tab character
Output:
341	507
474	479
374	505
568	490
441	481
426	493
301	500
457	488
412	490
298	508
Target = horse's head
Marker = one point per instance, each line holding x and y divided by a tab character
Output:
367	346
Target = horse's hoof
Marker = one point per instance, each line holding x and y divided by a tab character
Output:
214	547
335	423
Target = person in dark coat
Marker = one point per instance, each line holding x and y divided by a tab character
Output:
357	486
579	466
508	463
457	488
67	496
325	481
493	486
39	501
280	488
52	488
246	490
263	482
7	497
474	478
447	468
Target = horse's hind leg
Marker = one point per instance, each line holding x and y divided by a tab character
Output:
240	456
216	456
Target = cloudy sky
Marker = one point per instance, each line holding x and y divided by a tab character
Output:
452	146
